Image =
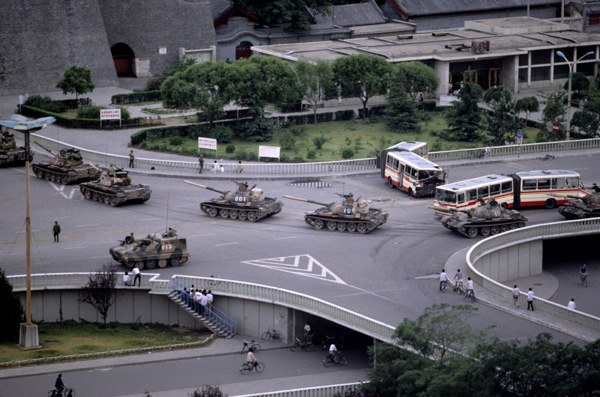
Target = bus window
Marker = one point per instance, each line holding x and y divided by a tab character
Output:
413	173
573	182
407	171
543	184
529	184
506	187
424	175
558	183
449	197
471	195
461	198
495	190
483	192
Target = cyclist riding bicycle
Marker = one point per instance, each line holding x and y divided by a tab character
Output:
458	277
443	279
583	273
469	289
250	357
334	353
59	385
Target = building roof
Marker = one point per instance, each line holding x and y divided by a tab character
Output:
415	8
453	45
367	13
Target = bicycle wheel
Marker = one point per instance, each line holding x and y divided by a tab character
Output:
327	362
259	367
342	360
245	368
294	347
266	335
256	347
277	338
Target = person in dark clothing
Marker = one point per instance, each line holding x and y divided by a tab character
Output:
59	385
56	231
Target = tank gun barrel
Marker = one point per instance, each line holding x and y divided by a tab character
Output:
328	205
44	147
206	187
95	167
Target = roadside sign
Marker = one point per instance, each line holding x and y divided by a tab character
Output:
519	134
555	128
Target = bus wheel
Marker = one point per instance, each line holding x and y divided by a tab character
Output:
390	183
550	203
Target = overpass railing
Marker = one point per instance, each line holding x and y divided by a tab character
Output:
530	233
367	164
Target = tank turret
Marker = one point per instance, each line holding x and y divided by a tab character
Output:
587	206
487	219
350	216
159	249
66	167
243	204
114	187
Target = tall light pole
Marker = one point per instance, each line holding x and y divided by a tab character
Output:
560	54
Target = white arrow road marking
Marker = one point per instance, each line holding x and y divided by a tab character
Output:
61	189
302	265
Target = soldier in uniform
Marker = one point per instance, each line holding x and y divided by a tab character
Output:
201	162
131	159
111	170
56	231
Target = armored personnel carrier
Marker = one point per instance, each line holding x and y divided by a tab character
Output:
487	219
10	154
114	188
155	249
582	207
349	216
66	167
243	205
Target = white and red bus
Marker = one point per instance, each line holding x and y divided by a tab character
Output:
523	189
416	147
411	173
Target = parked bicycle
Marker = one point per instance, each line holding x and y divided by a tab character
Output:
331	359
250	344
272	334
248	367
304	345
66	392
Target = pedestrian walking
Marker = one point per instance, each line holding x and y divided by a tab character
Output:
136	276
240	167
443	279
203	303
516	294
209	300
530	299
215	167
201	162
583	273
56	231
572	305
131	159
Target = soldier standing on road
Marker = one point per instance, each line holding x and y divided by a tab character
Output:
201	163
131	159
56	231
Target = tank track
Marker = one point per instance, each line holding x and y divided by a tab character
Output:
60	176
485	230
236	213
151	263
350	225
108	198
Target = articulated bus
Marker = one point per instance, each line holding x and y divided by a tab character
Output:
412	173
522	189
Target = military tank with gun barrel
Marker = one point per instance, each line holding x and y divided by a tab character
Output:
151	251
582	207
487	219
114	188
10	154
244	204
66	167
350	216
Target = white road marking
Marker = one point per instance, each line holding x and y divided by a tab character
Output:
302	265
95	224
149	219
285	238
200	235
25	231
76	248
219	245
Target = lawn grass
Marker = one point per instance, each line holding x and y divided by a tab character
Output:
363	137
70	337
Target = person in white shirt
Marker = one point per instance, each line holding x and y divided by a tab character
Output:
572	305
333	352
306	330
469	287
530	299
126	279
250	357
443	279
136	276
516	294
203	302
209	299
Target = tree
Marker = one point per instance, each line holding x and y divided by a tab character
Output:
554	112
76	80
11	311
401	112
502	122
285	11
181	65
527	104
416	77
208	391
362	76
315	82
587	122
99	291
579	82
464	117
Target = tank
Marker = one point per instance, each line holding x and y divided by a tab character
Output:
349	216
243	205
10	154
485	220
582	207
66	167
159	249
114	188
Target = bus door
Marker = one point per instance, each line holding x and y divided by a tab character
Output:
401	169
516	191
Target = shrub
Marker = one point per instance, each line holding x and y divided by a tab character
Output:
319	141
344	115
89	112
287	140
347	153
46	103
230	148
221	133
175	141
311	154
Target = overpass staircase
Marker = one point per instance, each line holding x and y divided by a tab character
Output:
213	319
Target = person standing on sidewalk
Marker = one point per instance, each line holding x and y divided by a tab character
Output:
443	279
530	299
516	294
56	231
131	159
136	276
201	162
572	305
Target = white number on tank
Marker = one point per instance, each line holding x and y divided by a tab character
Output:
167	246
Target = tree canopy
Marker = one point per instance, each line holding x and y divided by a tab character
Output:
76	80
416	77
315	82
285	11
502	121
464	118
555	111
11	311
99	290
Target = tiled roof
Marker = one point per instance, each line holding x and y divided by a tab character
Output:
367	13
415	8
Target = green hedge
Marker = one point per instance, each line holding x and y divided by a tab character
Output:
136	97
341	115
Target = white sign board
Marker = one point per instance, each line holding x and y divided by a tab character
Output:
207	143
269	151
110	114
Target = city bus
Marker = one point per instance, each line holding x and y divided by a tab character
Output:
416	147
523	189
412	173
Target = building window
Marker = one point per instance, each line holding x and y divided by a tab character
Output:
586	68
523	59
523	75
540	57
568	52
561	71
540	73
594	19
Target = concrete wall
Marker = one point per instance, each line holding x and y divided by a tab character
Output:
515	261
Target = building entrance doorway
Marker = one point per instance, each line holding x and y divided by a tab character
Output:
243	50
123	59
486	73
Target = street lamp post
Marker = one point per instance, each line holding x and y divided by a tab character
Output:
560	54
